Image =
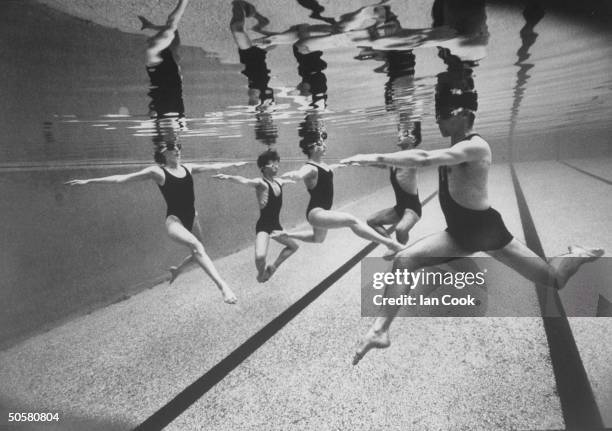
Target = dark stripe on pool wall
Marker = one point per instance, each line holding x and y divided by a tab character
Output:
587	173
218	372
580	410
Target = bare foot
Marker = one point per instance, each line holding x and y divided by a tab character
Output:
270	270
262	276
392	252
589	254
174	273
144	23
279	234
568	264
228	296
372	340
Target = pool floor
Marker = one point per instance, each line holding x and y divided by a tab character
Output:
155	354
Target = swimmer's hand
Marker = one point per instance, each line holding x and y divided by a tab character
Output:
337	165
361	159
76	182
221	176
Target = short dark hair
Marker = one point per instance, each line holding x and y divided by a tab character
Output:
310	139
267	157
471	116
416	133
161	144
159	157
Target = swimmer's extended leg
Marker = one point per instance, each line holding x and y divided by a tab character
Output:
262	241
316	235
403	227
567	265
180	234
290	248
555	273
431	250
378	220
175	271
328	219
166	34
373	339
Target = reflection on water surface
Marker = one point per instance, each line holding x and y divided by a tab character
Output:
97	95
91	93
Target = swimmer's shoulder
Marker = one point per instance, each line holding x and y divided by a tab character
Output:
156	173
261	184
478	144
476	138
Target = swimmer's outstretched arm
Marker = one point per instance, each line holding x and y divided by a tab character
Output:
335	166
240	180
368	165
466	151
151	173
412	38
197	168
284	181
300	174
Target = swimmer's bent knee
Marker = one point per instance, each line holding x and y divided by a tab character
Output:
197	249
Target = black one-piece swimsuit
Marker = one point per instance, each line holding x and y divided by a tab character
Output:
179	196
473	230
269	215
403	199
322	195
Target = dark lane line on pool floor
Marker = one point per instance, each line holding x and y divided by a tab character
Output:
580	410
192	393
597	177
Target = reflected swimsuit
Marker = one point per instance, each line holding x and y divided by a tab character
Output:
256	70
473	230
322	195
403	199
268	215
166	90
179	196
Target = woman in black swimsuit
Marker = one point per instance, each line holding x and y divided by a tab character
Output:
176	185
472	225
407	210
269	190
319	180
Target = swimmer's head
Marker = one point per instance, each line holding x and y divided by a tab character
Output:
313	134
383	15
456	101
268	162
167	150
458	120
253	96
314	142
266	131
259	98
391	24
409	135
